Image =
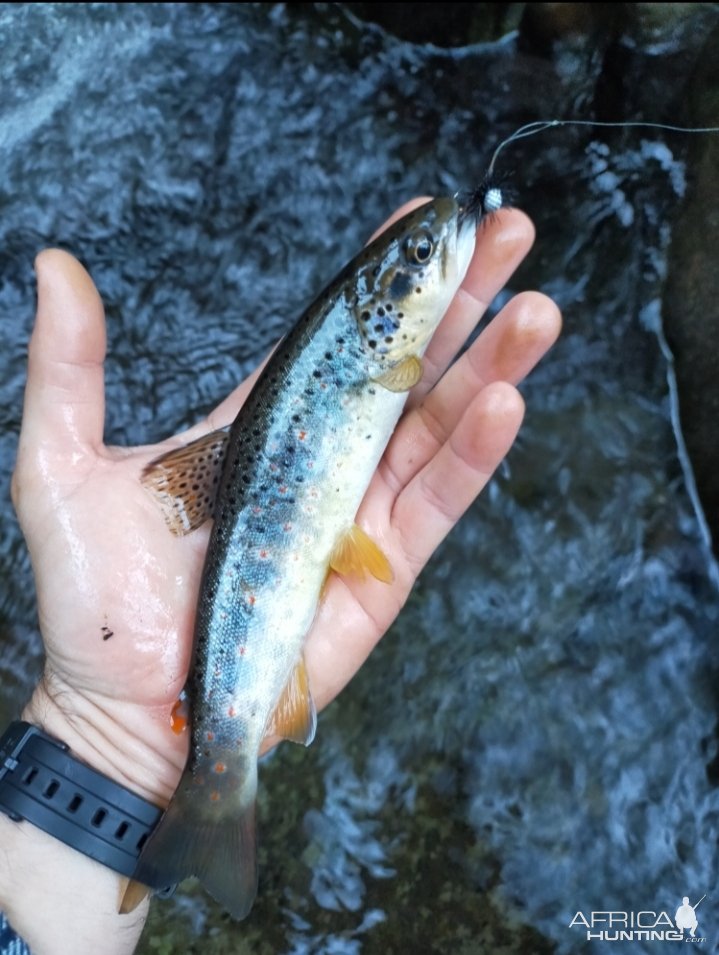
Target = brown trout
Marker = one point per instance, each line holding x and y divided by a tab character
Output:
284	487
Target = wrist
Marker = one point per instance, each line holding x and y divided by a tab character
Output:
60	901
128	744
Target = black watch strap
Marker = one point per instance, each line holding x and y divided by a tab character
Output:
42	783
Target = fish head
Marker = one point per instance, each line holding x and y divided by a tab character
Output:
408	276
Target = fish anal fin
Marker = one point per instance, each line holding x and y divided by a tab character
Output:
184	481
355	553
295	716
402	376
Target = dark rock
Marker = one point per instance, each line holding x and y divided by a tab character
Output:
691	308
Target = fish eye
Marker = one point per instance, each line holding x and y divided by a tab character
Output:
419	247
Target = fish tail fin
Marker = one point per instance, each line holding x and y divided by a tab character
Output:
215	841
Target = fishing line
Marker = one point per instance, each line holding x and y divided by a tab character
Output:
538	126
490	197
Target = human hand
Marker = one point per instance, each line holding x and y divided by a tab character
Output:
117	592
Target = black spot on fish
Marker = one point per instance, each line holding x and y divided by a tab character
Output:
299	479
365	316
245	479
295	417
372	391
380	312
328	355
418	290
376	270
379	328
372	343
400	285
388	306
316	373
340	341
389	339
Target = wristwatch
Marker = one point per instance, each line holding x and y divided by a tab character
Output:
42	783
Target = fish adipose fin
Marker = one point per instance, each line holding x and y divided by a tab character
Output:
208	831
184	481
295	716
356	554
402	376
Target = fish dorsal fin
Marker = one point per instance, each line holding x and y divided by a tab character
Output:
295	716
184	481
402	376
356	554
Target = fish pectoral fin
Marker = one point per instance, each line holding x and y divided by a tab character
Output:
355	553
402	376
184	481
295	716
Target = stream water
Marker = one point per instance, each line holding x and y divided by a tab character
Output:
536	735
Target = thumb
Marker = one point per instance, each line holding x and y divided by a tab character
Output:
64	395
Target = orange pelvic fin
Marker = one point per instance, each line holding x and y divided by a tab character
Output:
295	716
402	376
355	553
184	481
180	714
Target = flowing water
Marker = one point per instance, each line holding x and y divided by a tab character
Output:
536	735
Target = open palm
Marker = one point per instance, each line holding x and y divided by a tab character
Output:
117	592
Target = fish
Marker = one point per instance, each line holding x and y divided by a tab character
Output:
283	485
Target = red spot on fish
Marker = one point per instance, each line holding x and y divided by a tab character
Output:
179	717
231	711
209	737
256	510
263	554
282	489
302	435
273	467
310	464
251	600
241	651
214	795
286	527
220	767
